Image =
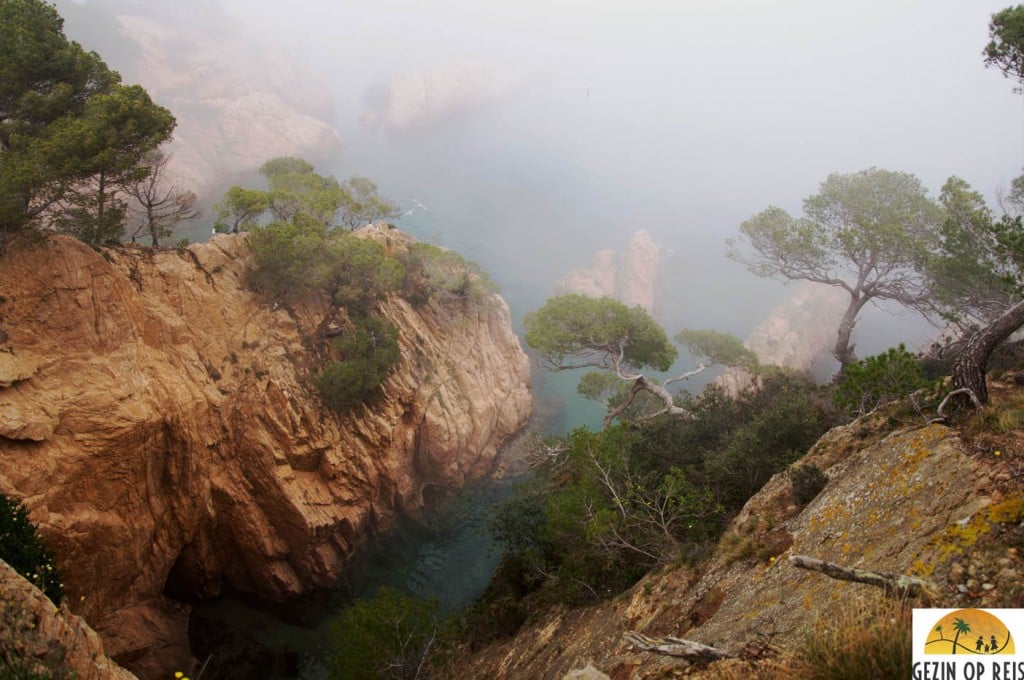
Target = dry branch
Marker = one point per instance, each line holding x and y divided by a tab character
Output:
894	585
671	646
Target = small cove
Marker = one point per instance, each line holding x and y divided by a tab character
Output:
447	554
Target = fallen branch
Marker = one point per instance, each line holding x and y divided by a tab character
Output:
683	649
963	390
894	585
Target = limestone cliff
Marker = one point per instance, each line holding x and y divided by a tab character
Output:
159	422
926	500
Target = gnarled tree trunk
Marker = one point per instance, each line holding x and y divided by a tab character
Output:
969	368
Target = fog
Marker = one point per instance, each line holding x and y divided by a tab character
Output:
530	134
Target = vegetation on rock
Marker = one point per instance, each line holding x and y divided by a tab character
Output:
388	637
72	137
23	549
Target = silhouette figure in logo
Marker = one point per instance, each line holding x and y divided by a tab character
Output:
981	642
994	645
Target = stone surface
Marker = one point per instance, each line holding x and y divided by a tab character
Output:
33	630
172	443
907	501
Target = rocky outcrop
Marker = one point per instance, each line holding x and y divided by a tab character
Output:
797	334
917	500
37	636
629	277
159	422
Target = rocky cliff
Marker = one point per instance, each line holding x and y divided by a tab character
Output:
924	500
630	276
158	420
35	635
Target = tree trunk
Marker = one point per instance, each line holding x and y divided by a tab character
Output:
969	368
843	351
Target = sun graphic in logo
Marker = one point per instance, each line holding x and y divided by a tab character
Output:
969	631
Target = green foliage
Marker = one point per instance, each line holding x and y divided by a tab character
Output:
361	204
240	209
1005	51
808	481
290	259
360	271
70	134
975	272
868	232
295	188
715	347
23	549
445	276
389	637
614	503
293	259
879	379
781	426
572	331
368	352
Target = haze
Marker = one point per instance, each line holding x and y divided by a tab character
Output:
535	133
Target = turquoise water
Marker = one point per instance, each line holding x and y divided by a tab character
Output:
448	554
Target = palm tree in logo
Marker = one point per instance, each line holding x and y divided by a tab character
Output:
938	629
960	626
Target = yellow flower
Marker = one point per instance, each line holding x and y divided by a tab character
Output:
998	452
179	675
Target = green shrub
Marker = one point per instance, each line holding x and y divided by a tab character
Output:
808	481
391	636
293	259
879	379
445	276
617	502
23	549
368	351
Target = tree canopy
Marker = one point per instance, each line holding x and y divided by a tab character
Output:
294	188
577	331
1005	50
868	233
70	133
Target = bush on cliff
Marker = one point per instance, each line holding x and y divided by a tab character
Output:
608	506
293	259
444	276
876	380
23	549
368	351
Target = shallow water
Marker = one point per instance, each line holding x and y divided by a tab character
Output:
449	555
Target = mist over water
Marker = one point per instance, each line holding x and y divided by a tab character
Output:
538	133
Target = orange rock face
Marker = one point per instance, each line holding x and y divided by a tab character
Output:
159	421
